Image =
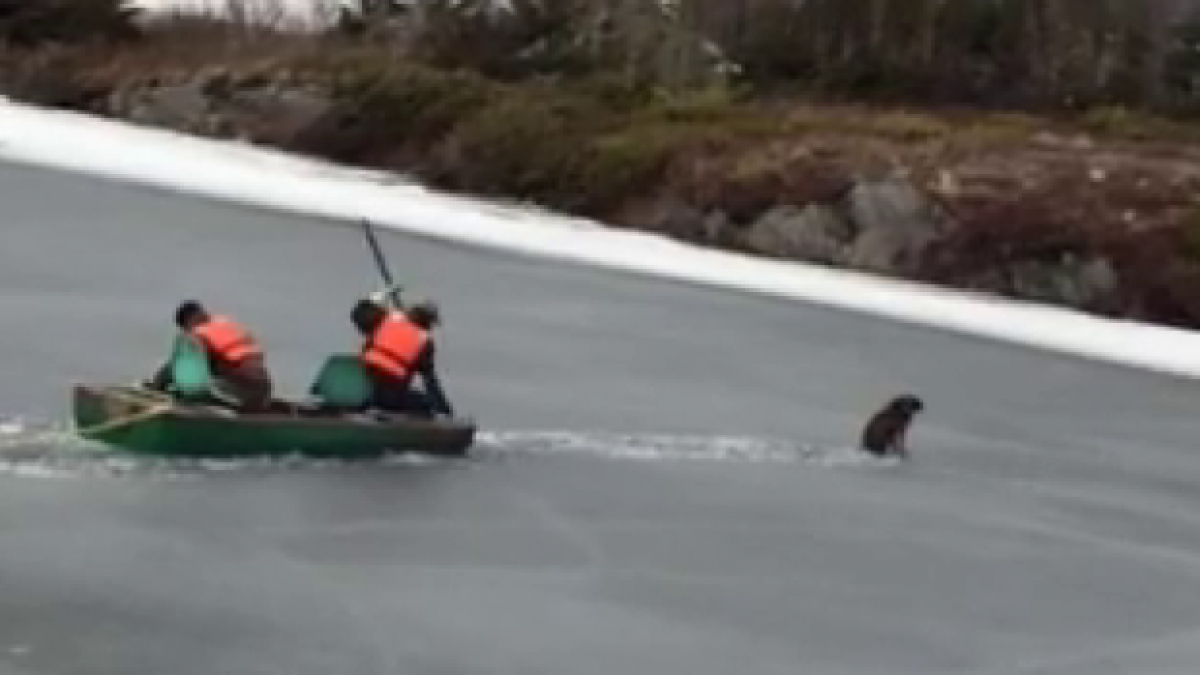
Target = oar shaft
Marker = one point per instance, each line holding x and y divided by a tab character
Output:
139	416
380	261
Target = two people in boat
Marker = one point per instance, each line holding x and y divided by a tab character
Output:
398	347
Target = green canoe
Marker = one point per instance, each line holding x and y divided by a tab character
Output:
148	422
183	424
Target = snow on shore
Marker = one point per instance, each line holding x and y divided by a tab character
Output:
270	179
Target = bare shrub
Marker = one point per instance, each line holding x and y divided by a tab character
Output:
28	24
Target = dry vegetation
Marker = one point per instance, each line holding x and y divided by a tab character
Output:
1047	129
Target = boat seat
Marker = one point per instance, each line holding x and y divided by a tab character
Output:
191	376
342	383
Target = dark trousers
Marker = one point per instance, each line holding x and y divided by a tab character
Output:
391	395
247	387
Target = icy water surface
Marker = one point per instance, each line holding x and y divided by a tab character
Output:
663	485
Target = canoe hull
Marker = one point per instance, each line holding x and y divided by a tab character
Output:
140	421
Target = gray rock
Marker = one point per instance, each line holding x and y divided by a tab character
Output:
182	106
296	107
816	233
715	227
215	84
674	217
895	224
1083	284
212	104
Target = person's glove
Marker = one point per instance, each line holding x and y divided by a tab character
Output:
388	296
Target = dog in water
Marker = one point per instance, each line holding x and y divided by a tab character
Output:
886	431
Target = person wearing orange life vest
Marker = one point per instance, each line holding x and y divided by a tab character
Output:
234	356
399	346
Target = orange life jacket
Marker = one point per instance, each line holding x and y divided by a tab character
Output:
395	346
227	339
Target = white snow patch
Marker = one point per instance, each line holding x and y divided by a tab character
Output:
263	178
286	14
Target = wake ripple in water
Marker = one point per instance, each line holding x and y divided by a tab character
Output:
49	451
32	449
670	448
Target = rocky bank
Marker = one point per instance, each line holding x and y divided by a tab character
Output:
1053	216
